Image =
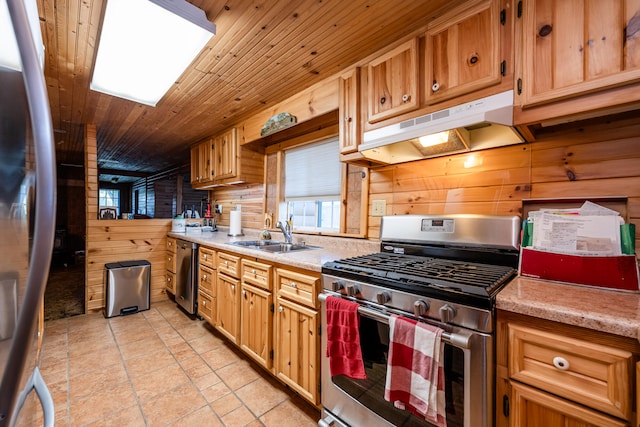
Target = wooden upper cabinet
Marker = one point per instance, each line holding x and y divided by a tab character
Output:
349	108
202	157
221	160
462	51
392	85
576	47
226	161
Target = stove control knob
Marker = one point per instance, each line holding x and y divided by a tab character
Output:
383	297
420	308
447	313
353	290
337	286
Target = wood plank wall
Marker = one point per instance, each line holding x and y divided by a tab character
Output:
118	240
249	196
597	161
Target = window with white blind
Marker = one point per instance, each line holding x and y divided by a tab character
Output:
109	198
312	186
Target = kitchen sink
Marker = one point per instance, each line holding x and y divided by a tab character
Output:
273	246
286	247
250	243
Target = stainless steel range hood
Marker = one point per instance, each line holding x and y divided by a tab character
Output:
476	125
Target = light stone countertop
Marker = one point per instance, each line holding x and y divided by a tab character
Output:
328	248
604	310
610	311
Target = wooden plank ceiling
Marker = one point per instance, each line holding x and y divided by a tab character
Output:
264	52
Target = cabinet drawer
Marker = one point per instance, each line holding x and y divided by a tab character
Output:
207	257
229	264
206	307
298	287
206	280
171	262
595	375
171	245
257	274
170	284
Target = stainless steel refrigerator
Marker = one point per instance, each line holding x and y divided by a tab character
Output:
27	213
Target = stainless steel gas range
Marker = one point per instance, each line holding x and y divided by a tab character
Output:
444	270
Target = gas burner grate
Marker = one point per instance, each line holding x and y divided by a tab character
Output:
443	273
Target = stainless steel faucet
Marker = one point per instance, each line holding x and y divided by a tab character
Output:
286	230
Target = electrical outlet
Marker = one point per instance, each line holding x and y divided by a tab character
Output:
218	209
378	207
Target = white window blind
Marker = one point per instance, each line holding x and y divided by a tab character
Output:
313	171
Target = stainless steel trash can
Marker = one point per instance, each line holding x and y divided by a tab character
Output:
127	287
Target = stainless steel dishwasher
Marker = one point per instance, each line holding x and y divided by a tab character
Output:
186	275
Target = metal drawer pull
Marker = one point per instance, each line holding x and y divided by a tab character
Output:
561	363
456	340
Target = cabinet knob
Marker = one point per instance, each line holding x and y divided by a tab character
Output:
561	363
168	279
293	285
244	293
205	257
435	87
347	119
233	287
406	97
204	303
280	309
253	271
204	277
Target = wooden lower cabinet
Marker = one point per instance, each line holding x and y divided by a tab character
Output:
534	408
170	282
297	356
228	300
256	324
207	294
554	375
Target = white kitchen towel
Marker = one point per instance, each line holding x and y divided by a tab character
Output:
415	369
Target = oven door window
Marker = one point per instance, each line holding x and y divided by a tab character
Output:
374	341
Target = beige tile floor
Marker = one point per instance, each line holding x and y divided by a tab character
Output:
159	368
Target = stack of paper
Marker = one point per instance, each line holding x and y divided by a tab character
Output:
591	230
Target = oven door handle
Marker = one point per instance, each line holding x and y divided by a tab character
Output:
457	340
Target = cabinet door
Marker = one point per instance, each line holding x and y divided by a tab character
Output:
207	307
349	108
574	47
463	52
207	280
170	286
297	358
535	408
195	165
226	146
392	85
202	162
228	307
256	324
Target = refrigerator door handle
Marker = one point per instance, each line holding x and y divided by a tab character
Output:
36	382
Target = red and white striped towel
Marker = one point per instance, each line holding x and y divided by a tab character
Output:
415	369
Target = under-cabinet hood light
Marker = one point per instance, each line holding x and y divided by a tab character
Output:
434	139
145	45
476	125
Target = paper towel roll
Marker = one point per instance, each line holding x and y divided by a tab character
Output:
235	226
